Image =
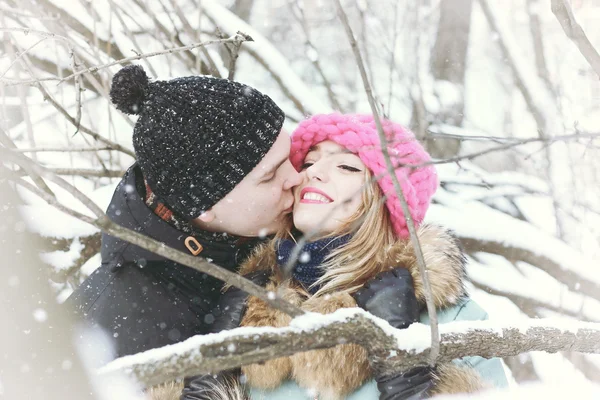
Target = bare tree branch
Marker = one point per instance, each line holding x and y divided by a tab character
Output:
539	99
84	172
395	349
234	53
62	149
8	143
103	223
563	12
570	278
96	68
434	351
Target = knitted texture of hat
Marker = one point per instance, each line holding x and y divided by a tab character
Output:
358	134
196	137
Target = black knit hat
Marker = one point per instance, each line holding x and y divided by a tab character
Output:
196	137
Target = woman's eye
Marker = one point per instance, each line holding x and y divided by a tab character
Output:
305	165
349	168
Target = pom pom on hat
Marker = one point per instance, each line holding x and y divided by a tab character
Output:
196	137
129	89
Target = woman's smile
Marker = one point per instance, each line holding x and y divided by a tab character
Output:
312	195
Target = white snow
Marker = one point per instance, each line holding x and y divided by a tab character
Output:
471	219
414	339
63	260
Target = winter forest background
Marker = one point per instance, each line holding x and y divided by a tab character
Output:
505	94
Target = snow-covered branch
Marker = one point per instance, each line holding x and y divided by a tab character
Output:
563	12
390	349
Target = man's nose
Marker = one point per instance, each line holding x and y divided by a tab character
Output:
293	178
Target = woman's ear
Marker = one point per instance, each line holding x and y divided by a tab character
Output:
207	216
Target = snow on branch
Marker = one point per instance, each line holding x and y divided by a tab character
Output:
516	240
390	349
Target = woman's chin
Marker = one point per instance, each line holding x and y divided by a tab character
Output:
305	223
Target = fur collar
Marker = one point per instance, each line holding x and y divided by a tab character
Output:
443	256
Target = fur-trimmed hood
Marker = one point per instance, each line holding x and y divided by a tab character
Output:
443	254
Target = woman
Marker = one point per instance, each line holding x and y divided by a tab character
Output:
348	209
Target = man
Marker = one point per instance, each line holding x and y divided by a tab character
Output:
212	176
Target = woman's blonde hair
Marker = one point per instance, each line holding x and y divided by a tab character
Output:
349	266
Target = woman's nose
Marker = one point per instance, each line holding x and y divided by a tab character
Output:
316	171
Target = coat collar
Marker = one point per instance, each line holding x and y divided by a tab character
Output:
128	209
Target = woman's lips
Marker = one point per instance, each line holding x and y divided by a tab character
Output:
311	195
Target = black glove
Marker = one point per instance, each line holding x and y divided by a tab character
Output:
232	304
411	385
228	315
390	296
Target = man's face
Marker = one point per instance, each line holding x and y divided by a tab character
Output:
257	205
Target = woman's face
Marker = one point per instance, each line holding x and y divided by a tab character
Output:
331	189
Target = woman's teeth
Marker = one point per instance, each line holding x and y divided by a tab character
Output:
315	197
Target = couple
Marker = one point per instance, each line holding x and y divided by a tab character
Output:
217	177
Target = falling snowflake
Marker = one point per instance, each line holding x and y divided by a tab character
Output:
40	315
304	257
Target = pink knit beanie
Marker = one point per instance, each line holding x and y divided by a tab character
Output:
358	133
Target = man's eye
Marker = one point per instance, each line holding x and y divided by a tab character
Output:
269	178
305	165
349	168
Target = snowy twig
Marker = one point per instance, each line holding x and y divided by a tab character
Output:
563	12
234	53
28	31
397	350
106	225
9	144
81	128
434	351
233	39
440	132
511	144
86	172
18	57
62	149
